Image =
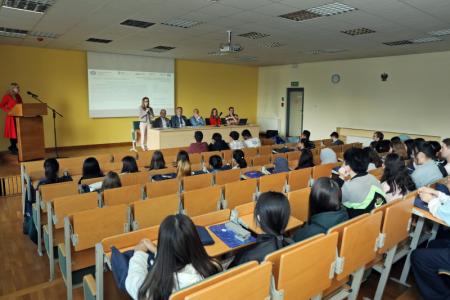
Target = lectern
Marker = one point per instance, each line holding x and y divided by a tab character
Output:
30	130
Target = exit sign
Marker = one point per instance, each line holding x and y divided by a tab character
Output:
295	83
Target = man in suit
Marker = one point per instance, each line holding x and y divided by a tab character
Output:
162	121
179	120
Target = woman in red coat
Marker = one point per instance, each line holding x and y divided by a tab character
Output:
8	102
214	118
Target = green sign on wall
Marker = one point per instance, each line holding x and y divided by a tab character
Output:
295	83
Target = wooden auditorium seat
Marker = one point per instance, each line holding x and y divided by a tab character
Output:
240	192
202	201
152	211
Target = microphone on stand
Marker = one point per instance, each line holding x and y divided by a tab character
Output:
32	94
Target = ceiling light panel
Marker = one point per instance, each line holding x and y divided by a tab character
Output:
272	45
331	9
440	32
97	40
12	32
358	31
301	15
182	23
137	23
254	35
49	35
37	6
159	49
398	43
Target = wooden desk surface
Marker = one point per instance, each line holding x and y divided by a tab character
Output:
250	221
426	214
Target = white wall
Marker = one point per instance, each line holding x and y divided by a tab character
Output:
415	98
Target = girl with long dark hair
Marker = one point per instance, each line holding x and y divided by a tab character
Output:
157	162
181	261
306	159
91	169
239	159
129	165
396	181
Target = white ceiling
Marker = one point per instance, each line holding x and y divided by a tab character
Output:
77	20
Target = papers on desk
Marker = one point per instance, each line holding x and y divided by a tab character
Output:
228	237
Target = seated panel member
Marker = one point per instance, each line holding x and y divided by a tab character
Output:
197	120
162	121
178	120
214	118
232	118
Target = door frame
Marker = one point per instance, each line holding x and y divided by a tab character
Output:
288	107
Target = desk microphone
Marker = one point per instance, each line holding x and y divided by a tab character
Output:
32	94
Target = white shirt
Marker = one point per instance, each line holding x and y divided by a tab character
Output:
391	196
252	143
137	272
163	123
234	145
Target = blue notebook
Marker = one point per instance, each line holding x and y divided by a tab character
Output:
227	236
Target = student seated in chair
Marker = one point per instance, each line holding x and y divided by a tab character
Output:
111	181
91	169
129	165
157	162
426	262
306	159
249	141
216	164
199	146
328	156
235	143
362	192
306	135
239	161
396	181
325	209
181	261
445	154
183	164
335	137
374	159
426	167
272	212
51	173
218	144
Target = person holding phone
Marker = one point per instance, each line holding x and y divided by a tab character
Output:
146	116
9	100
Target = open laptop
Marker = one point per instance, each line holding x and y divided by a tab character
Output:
242	121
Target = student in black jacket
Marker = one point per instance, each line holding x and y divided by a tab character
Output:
218	143
272	212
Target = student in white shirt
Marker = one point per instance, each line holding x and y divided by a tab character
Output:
235	143
181	260
249	141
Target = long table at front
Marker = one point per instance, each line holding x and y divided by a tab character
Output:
158	138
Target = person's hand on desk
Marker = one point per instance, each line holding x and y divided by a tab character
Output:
145	245
427	194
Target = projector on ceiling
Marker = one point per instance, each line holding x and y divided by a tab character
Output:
230	48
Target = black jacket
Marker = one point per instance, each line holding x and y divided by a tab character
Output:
175	121
219	146
320	223
265	244
157	123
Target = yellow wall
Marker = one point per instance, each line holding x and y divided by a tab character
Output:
60	78
414	99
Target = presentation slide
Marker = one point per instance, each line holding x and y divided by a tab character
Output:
117	84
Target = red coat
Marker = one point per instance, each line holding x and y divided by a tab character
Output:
6	105
215	121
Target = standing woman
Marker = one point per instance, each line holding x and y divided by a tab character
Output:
8	102
145	116
214	118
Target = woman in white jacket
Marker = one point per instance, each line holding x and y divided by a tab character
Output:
181	261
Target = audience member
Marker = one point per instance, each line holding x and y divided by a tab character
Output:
218	144
235	143
199	146
335	137
445	154
325	209
400	149
272	212
91	169
306	159
327	156
183	164
216	164
239	159
396	181
51	173
374	160
111	181
181	261
157	162
363	191
305	139
249	141
426	168
129	165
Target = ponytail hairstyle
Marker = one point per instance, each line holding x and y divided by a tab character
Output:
178	245
239	158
